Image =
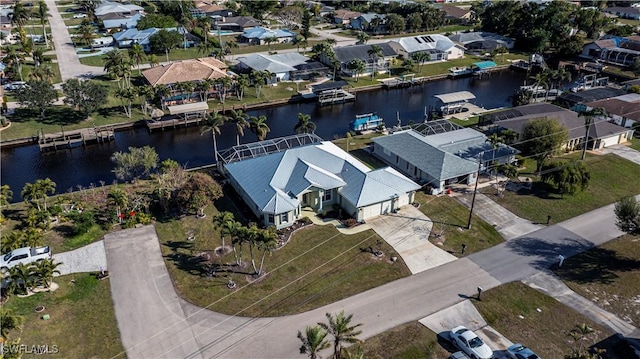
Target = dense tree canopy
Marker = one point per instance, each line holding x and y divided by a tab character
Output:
164	41
569	179
85	96
137	163
156	20
628	215
37	95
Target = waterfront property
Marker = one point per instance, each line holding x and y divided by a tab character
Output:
283	67
571	99
481	41
344	54
117	15
236	23
172	74
613	50
305	171
438	47
602	133
438	153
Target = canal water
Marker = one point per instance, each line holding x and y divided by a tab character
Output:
82	166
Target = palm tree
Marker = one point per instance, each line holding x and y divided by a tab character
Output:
362	37
226	223
239	118
114	60
223	84
235	230
9	322
153	60
579	333
374	52
267	241
87	32
561	75
20	16
342	331
144	92
214	124
304	125
44	271
21	276
43	73
118	198
313	341
421	58
588	121
242	82
137	55
205	24
259	127
270	40
508	135
43	15
357	66
229	46
45	186
259	78
14	57
126	97
31	194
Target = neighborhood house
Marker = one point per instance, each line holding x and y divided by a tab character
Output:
315	175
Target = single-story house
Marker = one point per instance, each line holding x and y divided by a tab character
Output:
482	40
457	14
103	41
113	21
236	23
343	16
613	50
182	71
127	38
369	22
438	47
258	35
602	132
283	67
344	54
109	7
623	110
624	12
317	176
442	158
5	22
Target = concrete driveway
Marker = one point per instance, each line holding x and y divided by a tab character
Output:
466	314
407	231
90	258
150	318
625	152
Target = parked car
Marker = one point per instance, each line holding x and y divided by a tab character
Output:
519	351
25	255
16	85
470	343
79	16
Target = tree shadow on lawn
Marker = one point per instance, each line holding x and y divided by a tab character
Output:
541	190
111	111
598	265
199	265
55	115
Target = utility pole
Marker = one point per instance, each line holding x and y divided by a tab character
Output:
475	190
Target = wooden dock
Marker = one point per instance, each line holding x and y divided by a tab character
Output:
331	97
68	139
174	122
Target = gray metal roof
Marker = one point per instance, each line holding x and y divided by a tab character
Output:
430	159
285	175
188	107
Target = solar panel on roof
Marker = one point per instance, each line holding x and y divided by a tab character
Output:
418	40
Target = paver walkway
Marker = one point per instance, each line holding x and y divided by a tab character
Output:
407	231
90	258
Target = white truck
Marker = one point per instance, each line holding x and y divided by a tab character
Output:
25	255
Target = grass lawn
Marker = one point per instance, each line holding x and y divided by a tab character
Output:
470	122
357	148
609	275
407	341
450	223
612	178
317	267
82	324
635	144
545	332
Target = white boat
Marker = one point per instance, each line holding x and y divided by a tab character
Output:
459	72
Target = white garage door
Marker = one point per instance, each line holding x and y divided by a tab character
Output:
610	141
371	211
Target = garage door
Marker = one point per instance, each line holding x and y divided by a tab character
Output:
610	141
371	211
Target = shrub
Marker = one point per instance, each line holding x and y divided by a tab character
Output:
350	222
82	222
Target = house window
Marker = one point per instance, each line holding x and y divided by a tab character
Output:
270	219
327	195
284	218
397	159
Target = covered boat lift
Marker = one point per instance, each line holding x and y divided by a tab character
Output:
453	102
181	115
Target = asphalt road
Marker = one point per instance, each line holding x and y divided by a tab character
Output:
207	334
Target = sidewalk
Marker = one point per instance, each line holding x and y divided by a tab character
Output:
90	258
505	222
552	286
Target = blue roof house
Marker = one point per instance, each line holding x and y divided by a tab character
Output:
120	21
257	35
317	176
129	37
